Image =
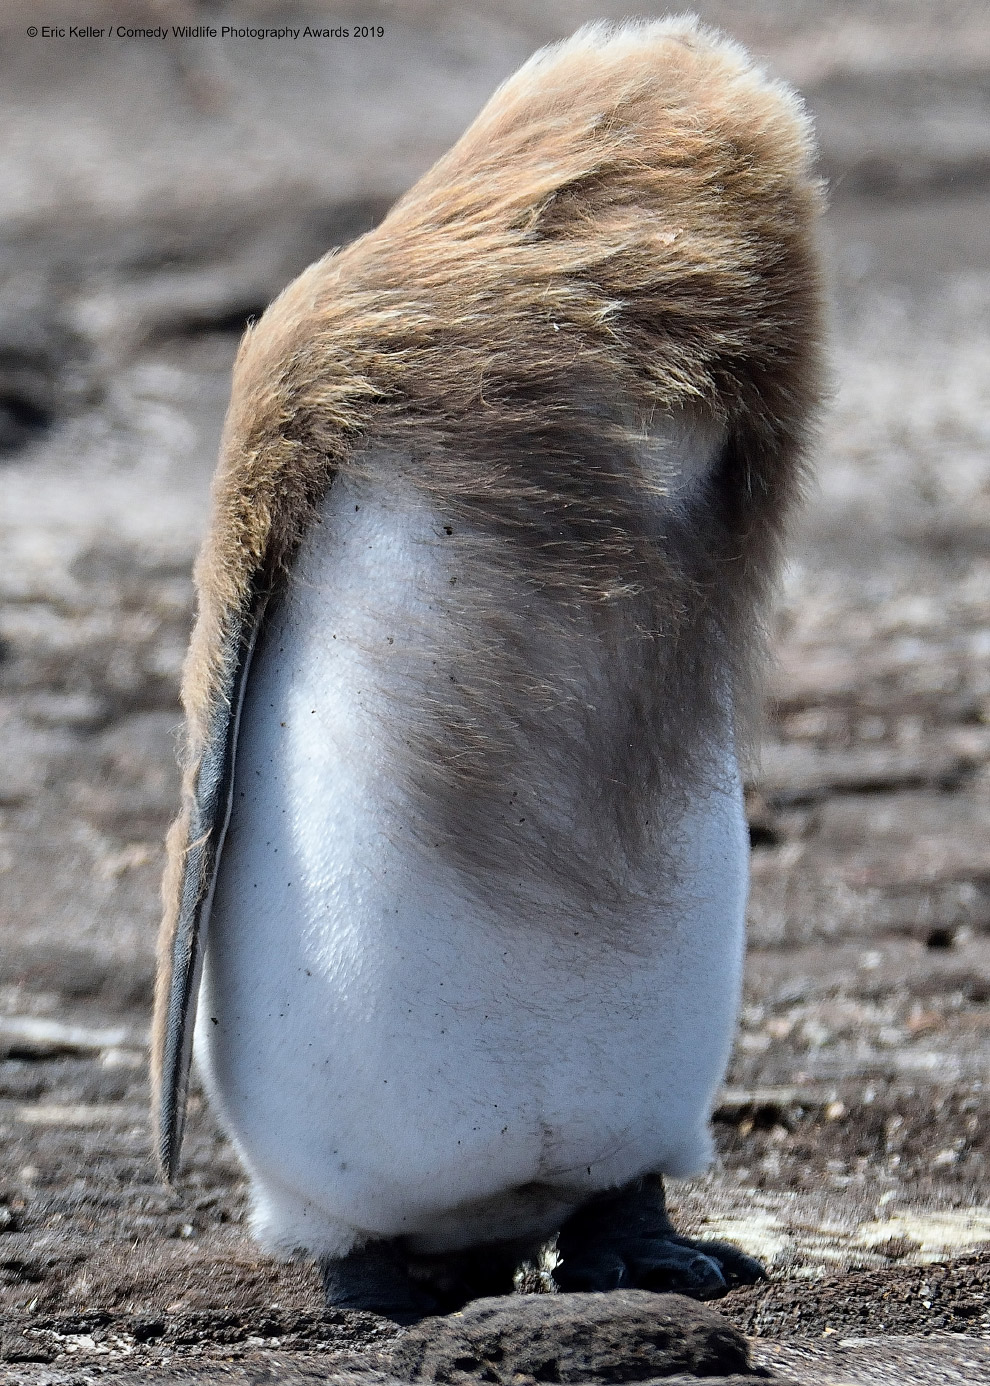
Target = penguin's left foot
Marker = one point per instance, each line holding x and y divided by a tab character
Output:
625	1240
386	1278
376	1280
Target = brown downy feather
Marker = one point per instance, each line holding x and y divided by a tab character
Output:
625	236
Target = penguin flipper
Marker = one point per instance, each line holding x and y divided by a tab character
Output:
194	848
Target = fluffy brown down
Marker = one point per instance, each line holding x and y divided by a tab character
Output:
625	234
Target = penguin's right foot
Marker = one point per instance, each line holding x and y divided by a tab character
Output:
626	1240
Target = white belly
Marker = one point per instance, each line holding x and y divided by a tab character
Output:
391	1056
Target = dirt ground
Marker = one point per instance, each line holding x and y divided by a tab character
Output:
152	195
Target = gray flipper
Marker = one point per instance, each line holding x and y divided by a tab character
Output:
178	992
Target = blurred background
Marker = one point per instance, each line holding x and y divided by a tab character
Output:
154	192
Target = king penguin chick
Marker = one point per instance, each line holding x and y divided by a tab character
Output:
460	876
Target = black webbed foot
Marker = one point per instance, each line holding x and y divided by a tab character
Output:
626	1240
386	1278
376	1279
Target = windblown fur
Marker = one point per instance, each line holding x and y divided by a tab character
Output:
624	238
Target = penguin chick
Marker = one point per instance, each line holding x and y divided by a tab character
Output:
460	874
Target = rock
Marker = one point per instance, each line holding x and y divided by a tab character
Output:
627	1335
43	361
16	1347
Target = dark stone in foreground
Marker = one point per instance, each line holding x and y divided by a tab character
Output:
627	1335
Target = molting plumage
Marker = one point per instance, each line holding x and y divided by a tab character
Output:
500	498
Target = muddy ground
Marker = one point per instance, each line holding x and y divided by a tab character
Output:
151	197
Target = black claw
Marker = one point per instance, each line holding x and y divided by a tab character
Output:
673	1268
735	1265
